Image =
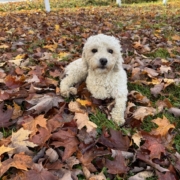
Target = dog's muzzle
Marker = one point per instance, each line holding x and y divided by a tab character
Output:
103	62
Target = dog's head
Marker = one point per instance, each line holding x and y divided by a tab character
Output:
102	53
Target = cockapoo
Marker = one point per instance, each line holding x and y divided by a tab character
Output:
101	68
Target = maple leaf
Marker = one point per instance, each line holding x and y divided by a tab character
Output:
163	126
44	103
82	120
143	111
114	140
118	165
66	139
154	145
33	123
20	143
86	159
19	161
13	82
41	137
5	116
4	149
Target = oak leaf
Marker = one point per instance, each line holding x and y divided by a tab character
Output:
163	126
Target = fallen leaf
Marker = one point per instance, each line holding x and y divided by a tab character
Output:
19	161
33	124
4	149
118	165
82	120
20	142
44	103
5	116
84	102
143	111
163	126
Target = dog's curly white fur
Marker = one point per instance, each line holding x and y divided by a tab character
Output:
101	67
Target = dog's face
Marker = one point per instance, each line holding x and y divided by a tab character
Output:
102	53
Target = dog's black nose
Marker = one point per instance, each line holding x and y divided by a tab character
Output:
103	61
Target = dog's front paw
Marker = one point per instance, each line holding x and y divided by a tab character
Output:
68	91
117	118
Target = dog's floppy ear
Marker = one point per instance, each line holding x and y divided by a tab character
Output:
119	62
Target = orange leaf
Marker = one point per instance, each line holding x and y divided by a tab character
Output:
84	102
164	126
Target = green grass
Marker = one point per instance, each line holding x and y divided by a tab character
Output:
101	121
159	53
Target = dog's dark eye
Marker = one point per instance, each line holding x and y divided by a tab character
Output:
110	51
94	50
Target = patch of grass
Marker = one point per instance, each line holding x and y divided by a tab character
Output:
143	89
148	125
152	178
161	53
7	132
101	121
177	142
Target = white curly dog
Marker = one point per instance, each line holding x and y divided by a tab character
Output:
101	67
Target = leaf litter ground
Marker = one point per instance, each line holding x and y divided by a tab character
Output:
45	136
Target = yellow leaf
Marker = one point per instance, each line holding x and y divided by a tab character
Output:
51	47
4	149
63	55
84	102
176	38
137	138
57	27
4	46
31	32
20	56
163	126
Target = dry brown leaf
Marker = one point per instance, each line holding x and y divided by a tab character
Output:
82	120
75	107
20	142
33	124
137	137
143	111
